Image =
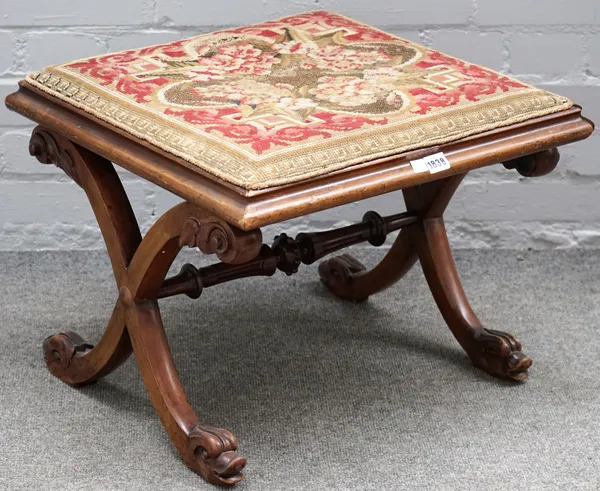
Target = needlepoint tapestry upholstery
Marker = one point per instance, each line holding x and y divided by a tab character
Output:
282	101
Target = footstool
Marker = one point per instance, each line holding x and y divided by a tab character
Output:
258	124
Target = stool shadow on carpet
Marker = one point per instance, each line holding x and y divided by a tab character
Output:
244	354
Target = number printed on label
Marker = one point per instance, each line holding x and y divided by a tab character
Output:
432	164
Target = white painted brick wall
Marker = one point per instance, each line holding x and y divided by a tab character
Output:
537	12
485	48
59	13
593	43
558	55
6	54
42	48
551	43
404	12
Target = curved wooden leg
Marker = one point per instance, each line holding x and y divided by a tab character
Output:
348	279
140	267
209	451
67	355
495	352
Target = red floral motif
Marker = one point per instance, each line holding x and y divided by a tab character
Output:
426	99
262	138
347	91
174	50
108	68
254	86
141	91
343	122
104	73
478	82
241	58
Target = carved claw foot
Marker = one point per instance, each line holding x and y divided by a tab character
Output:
499	354
213	455
337	275
59	351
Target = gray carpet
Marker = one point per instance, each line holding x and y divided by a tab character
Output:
321	394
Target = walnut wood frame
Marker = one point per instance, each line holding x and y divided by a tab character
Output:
223	220
253	209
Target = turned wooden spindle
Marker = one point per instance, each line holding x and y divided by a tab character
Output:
373	229
286	254
191	281
309	247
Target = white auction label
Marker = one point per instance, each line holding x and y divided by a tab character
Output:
433	163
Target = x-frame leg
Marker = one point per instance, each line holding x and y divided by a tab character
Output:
495	352
140	266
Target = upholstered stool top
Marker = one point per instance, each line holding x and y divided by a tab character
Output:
279	102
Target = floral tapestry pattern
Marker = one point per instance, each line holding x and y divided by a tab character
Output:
289	85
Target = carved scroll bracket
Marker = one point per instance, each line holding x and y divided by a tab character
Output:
215	236
535	165
44	147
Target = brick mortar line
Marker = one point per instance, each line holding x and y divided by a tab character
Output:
92	29
55	178
463	26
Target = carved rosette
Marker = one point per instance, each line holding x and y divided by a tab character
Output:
215	236
45	148
214	456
